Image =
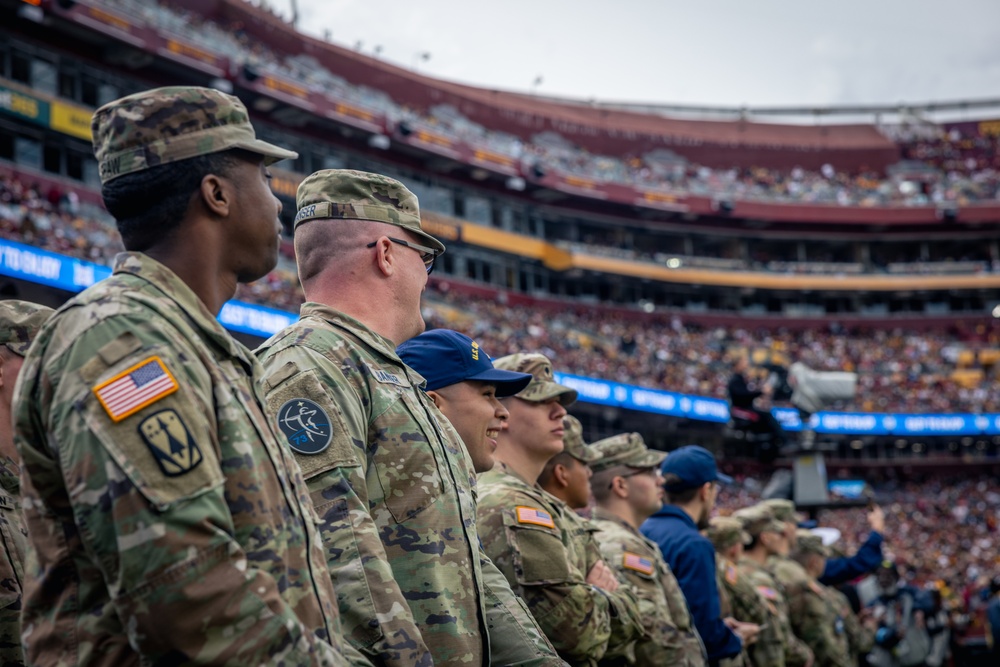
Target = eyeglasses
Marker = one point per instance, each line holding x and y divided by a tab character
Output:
427	255
644	471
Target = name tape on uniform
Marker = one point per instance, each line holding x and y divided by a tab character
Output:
385	377
534	516
135	388
636	562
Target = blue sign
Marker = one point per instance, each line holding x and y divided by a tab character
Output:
661	402
75	275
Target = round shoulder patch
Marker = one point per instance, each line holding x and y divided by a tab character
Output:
306	426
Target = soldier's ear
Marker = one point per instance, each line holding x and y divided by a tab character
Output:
437	398
216	193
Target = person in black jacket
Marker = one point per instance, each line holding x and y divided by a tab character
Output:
746	416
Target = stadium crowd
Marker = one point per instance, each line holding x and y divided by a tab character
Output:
900	372
950	167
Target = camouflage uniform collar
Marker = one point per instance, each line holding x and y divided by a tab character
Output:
146	268
378	343
504	469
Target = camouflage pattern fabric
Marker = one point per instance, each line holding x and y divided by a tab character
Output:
20	322
726	610
546	551
170	124
751	607
813	616
670	636
796	653
860	639
625	449
543	385
345	194
167	523
13	538
573	443
394	488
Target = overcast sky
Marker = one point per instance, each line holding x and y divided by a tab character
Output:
716	52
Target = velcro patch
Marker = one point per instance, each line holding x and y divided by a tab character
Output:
636	562
135	388
170	441
534	516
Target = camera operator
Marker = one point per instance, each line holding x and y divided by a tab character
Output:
746	416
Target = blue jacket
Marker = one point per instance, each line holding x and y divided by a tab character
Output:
993	618
692	559
842	570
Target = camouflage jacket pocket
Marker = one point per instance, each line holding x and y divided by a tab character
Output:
405	455
539	555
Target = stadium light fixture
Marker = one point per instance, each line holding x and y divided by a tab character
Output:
379	141
515	183
996	311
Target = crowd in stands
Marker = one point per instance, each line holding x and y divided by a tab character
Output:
943	533
898	371
951	169
56	221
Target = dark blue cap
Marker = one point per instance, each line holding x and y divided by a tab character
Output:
445	357
694	465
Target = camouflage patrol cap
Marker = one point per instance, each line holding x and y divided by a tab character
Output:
759	519
725	531
573	443
809	542
783	510
20	322
166	125
543	385
345	194
625	449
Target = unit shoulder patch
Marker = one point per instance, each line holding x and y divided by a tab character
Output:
135	388
170	442
305	425
632	561
534	516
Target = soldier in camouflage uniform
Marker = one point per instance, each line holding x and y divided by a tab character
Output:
813	614
767	536
390	476
19	324
729	538
860	637
547	553
627	490
167	523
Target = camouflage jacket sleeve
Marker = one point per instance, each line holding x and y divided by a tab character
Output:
575	616
13	536
815	623
626	620
130	518
515	638
374	613
642	569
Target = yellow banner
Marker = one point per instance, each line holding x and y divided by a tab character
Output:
73	121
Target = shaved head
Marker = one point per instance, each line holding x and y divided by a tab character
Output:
325	245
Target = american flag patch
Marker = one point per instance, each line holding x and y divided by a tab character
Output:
636	562
135	388
768	592
535	516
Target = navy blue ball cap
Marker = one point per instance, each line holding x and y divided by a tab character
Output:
694	466
445	357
